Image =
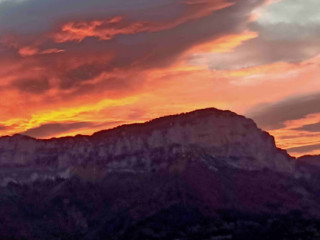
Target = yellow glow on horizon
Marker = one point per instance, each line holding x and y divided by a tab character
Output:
64	114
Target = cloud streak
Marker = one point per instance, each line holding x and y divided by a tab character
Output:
304	149
274	115
55	129
315	127
109	28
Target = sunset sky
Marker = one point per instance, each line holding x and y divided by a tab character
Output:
79	66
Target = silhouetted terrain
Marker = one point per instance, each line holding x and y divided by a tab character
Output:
207	174
74	209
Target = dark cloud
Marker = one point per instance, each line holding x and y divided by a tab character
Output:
296	135
51	129
76	77
261	51
304	149
2	127
112	86
279	40
160	49
310	127
39	15
34	86
273	116
135	114
119	83
81	62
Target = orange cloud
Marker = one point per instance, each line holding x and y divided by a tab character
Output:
31	51
292	136
28	51
109	28
104	30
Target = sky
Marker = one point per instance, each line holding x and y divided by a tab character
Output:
77	66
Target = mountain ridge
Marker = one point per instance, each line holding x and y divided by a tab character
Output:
221	134
148	124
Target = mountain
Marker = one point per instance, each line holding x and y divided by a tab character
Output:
217	137
207	174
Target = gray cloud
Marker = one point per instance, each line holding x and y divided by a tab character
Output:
291	11
310	127
2	127
291	32
82	74
262	50
304	149
110	85
55	128
50	129
288	31
31	85
34	16
273	116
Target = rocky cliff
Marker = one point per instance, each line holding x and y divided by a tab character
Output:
210	135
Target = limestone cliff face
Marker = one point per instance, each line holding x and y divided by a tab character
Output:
211	136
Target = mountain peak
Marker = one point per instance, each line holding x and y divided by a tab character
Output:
187	117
